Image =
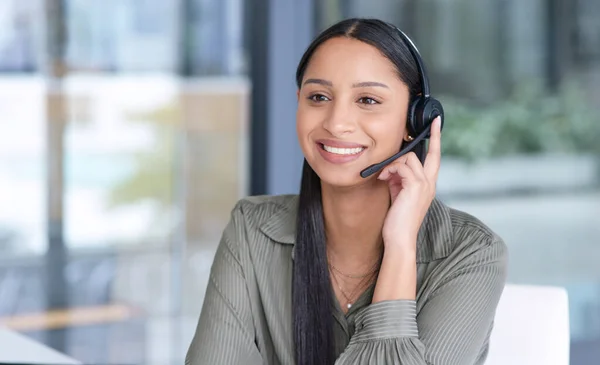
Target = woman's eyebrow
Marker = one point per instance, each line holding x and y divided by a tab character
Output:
359	84
318	81
370	84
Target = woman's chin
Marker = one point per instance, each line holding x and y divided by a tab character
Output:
342	178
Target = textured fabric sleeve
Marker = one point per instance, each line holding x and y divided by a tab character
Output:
225	331
452	327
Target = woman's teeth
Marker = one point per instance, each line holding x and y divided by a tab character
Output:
343	151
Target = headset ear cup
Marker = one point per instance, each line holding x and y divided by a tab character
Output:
414	128
432	109
426	110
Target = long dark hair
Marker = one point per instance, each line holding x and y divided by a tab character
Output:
312	291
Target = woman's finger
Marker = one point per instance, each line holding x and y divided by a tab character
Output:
404	173
392	168
432	161
417	167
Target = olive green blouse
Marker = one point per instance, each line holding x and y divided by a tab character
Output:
246	317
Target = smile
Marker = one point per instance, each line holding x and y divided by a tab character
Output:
342	151
339	153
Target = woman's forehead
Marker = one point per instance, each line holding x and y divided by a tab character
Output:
351	60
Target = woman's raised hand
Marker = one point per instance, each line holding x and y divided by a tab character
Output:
412	188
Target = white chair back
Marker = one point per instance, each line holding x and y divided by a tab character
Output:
531	327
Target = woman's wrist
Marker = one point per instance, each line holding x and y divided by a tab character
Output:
401	245
398	273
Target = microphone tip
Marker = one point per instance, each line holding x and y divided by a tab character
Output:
368	171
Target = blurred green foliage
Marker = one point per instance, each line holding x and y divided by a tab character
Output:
530	121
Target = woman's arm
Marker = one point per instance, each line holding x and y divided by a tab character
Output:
451	328
225	332
397	277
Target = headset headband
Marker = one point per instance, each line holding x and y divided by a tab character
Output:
417	57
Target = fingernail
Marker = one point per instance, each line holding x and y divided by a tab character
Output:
438	123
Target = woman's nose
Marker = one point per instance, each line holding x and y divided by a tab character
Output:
340	120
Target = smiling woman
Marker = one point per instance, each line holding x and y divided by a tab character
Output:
354	270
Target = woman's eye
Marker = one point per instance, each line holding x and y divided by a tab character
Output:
318	98
366	100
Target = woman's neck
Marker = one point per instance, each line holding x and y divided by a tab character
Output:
353	222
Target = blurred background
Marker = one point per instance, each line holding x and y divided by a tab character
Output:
131	127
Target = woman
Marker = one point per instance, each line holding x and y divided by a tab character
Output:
353	270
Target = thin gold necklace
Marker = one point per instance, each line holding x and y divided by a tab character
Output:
349	298
351	276
373	269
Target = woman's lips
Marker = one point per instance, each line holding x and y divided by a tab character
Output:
338	152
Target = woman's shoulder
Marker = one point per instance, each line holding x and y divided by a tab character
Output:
265	201
273	215
466	225
453	231
260	208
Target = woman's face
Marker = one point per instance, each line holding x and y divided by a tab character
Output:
352	110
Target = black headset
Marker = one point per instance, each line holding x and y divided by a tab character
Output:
422	111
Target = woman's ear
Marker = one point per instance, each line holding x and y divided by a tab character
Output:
298	95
